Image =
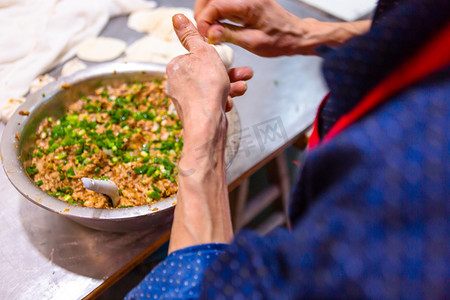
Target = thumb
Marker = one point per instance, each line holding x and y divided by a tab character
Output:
187	33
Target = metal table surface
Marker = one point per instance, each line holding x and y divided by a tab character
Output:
46	256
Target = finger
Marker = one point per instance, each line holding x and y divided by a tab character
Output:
228	104
238	88
246	38
187	33
217	11
199	6
240	73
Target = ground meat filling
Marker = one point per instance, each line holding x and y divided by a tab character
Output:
129	134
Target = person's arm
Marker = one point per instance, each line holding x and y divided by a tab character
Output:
199	86
266	29
202	214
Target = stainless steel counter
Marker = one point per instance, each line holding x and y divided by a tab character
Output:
46	256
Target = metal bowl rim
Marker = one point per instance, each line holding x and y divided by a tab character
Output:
13	166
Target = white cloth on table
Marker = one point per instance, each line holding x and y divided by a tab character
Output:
37	35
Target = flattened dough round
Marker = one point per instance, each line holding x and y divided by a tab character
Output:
72	66
158	21
40	82
153	49
9	108
100	49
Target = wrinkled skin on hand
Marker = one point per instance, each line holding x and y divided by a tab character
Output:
200	86
198	82
266	29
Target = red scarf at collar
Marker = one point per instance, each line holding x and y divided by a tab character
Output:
431	58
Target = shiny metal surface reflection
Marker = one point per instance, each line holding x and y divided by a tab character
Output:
51	101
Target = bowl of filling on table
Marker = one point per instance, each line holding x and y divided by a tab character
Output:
112	125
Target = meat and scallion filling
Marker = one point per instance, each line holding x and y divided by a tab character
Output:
130	135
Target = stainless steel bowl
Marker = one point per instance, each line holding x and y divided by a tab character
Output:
51	101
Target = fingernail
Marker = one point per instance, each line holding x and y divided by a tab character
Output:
215	36
179	21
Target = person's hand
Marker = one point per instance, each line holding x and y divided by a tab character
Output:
199	87
198	82
266	29
238	86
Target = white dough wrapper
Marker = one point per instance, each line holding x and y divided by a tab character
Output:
153	49
40	82
106	187
100	49
158	21
226	55
9	108
72	66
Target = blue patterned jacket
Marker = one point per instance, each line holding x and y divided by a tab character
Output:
371	210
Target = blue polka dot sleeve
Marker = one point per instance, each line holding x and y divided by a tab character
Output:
179	275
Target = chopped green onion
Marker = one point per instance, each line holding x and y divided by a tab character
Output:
156	174
156	188
151	170
70	173
61	155
32	170
141	170
104	94
154	195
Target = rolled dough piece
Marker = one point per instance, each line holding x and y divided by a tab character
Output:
226	55
72	66
100	49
